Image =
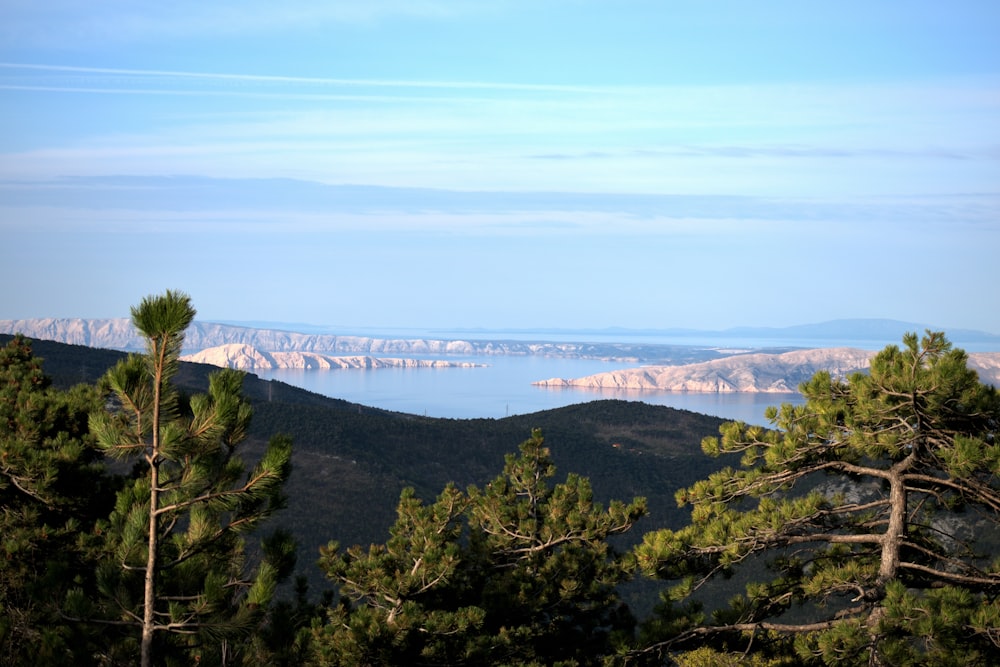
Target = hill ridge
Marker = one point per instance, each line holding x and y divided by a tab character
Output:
350	461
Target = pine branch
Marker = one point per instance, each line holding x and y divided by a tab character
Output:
220	495
991	582
202	545
16	481
705	631
982	493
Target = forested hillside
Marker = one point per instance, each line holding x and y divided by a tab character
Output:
152	508
350	462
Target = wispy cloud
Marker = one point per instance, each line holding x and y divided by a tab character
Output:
74	24
290	205
987	152
114	75
732	139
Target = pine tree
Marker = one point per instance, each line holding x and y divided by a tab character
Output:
284	639
516	573
403	602
52	489
177	568
878	503
550	593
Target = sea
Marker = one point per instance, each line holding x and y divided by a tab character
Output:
503	387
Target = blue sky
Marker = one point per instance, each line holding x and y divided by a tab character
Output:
504	164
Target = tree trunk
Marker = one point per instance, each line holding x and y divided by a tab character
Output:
892	540
153	458
149	600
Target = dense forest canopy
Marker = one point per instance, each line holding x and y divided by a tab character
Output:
151	517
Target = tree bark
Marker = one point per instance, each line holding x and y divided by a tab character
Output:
895	532
892	539
153	458
149	600
892	542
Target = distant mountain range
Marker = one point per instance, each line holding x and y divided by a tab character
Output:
873	329
118	334
713	367
860	329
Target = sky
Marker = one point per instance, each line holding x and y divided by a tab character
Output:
504	164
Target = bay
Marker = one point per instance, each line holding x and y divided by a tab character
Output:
503	387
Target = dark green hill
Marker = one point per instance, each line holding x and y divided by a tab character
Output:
350	461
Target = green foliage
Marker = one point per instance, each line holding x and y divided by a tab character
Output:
284	639
825	471
519	572
51	493
177	566
872	502
349	456
625	448
709	657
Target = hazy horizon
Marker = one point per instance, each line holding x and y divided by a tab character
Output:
871	334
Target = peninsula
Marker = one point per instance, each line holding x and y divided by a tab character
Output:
248	358
754	373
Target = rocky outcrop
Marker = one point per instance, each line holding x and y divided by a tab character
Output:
113	334
248	358
768	373
987	365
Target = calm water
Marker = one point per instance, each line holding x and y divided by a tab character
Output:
504	388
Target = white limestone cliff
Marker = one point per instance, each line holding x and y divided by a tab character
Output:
756	373
249	358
